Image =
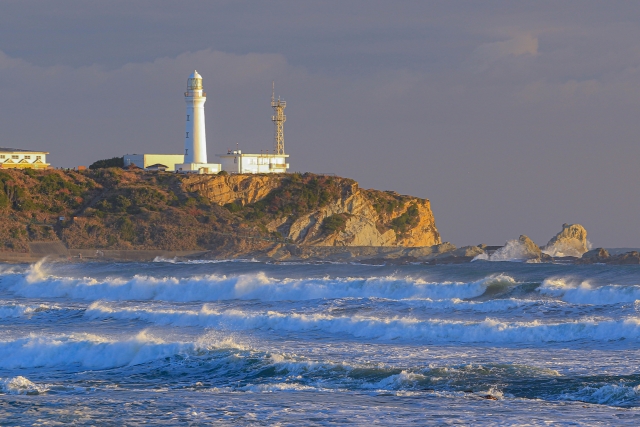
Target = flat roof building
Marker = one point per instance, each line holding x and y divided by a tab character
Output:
18	158
147	161
238	162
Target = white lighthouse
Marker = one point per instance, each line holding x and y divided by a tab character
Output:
195	140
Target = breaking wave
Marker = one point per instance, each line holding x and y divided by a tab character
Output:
383	328
20	385
93	351
608	394
37	283
513	251
582	292
8	309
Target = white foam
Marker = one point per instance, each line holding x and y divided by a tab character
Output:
386	328
609	394
582	292
488	306
86	350
8	310
37	283
513	251
20	385
200	261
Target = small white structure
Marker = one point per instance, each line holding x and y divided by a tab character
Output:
195	142
17	158
238	162
147	161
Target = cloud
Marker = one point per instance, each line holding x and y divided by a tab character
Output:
488	53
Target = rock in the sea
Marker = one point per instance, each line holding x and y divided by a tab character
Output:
523	249
597	254
529	249
632	257
460	255
571	241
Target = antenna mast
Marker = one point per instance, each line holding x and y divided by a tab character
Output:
278	119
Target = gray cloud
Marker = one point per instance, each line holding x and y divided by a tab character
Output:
511	118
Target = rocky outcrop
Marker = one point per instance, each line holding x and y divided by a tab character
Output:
602	256
523	249
460	255
350	217
571	241
529	249
223	189
597	255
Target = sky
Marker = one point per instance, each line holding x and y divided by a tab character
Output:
511	117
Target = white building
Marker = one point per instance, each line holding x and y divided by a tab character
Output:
145	161
17	158
238	162
195	142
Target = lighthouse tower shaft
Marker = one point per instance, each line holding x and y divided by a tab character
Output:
278	119
195	141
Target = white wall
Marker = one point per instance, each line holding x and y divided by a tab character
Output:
146	160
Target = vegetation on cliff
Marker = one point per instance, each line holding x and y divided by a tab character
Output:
114	162
117	209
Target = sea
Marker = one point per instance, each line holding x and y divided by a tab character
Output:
302	344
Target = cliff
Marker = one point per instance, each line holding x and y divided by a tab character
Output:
113	209
322	211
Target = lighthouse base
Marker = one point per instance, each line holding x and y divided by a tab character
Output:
201	168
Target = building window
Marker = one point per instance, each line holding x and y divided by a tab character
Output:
38	157
187	117
15	156
27	157
187	134
1	156
235	160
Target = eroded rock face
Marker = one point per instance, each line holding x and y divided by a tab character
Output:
571	241
363	225
370	217
223	189
529	249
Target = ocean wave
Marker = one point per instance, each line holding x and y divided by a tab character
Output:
608	394
20	385
85	350
582	292
37	283
383	328
512	251
9	309
498	305
200	261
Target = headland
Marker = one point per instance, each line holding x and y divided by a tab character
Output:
113	214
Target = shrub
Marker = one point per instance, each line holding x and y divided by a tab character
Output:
126	228
114	162
333	223
405	221
233	207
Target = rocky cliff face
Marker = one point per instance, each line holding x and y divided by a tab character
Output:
322	211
